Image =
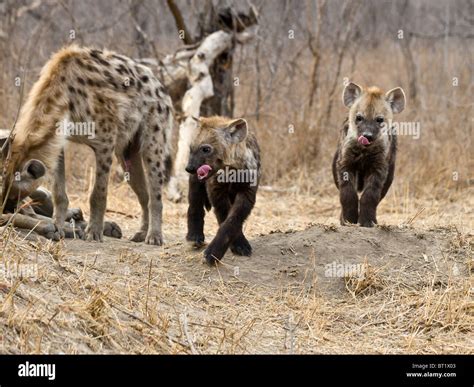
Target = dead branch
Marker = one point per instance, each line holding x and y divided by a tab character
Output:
179	21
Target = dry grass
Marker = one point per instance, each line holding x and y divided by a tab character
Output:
122	297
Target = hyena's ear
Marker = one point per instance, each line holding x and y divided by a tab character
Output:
396	99
236	131
351	92
34	169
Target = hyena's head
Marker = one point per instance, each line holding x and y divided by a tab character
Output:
371	111
20	176
216	145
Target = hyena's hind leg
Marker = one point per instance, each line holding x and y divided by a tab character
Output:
153	155
133	166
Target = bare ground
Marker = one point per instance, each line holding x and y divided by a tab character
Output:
410	293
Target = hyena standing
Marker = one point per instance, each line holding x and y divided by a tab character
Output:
132	117
365	156
224	164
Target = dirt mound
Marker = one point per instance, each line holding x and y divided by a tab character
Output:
325	289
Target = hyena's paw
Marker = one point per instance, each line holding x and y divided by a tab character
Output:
50	231
213	255
139	236
241	246
154	238
59	230
196	240
113	230
367	223
348	219
94	234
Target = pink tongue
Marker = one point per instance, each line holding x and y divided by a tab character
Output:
363	140
203	171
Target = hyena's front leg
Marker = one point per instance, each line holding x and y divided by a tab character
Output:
231	228
60	199
46	229
138	183
348	198
98	198
197	196
370	199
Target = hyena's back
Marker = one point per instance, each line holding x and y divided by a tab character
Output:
114	93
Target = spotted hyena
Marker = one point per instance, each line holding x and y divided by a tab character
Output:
365	157
110	103
224	164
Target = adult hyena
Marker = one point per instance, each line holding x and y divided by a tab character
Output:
365	157
224	164
131	115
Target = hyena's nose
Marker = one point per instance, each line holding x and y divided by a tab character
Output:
369	136
190	169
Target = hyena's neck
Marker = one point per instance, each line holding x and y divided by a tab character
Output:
46	106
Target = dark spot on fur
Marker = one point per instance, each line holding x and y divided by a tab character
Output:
81	81
82	93
144	79
121	58
157	128
159	108
92	68
97	57
71	89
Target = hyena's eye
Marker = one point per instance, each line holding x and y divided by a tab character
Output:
379	120
206	149
359	117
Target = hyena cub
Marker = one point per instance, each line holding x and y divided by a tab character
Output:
224	164
110	103
365	157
